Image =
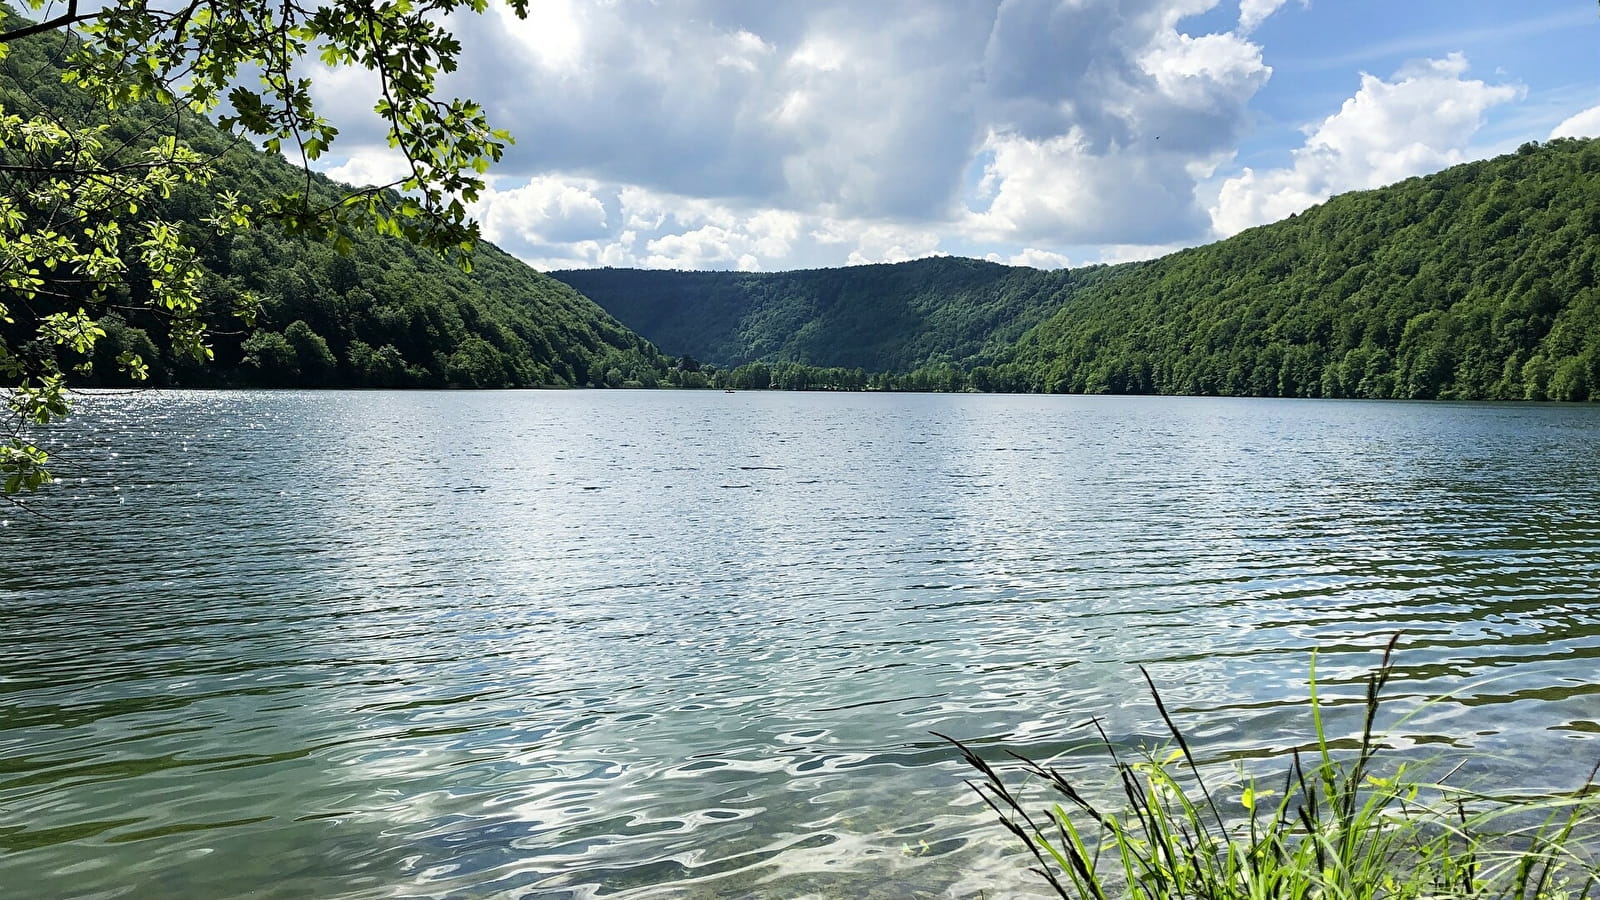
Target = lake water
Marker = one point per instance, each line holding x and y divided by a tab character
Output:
635	644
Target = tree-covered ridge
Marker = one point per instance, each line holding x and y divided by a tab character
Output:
1479	282
382	314
393	315
894	318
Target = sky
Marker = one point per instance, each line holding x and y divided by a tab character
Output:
767	135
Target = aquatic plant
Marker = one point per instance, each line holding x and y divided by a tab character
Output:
1346	825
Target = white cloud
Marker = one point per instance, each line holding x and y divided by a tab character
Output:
888	243
1253	12
1111	254
1206	71
796	134
641	209
729	134
825	133
745	52
746	242
1036	259
555	224
1171	109
863	111
773	232
369	166
552	31
799	106
669	232
1059	189
820	53
1585	124
545	210
707	247
1421	121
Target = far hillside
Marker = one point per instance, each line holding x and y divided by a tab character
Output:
880	317
1479	282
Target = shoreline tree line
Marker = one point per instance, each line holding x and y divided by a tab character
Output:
1481	282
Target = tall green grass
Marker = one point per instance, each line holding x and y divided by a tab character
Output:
1340	825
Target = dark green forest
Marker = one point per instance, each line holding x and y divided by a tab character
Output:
385	314
883	318
1478	282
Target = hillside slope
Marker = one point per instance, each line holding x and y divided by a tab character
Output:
384	315
879	317
1479	282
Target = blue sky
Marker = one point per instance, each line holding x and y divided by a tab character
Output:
732	134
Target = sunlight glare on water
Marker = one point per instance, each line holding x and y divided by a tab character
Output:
681	644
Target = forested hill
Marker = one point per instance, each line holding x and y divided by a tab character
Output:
386	314
1479	282
879	317
1476	282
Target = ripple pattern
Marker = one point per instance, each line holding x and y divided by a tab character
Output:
650	645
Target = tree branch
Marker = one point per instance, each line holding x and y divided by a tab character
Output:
70	17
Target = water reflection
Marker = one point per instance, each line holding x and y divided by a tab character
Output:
678	645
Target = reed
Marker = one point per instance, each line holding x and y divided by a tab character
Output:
1345	826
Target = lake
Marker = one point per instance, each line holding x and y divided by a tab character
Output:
678	644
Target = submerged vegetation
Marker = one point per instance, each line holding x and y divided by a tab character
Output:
1339	825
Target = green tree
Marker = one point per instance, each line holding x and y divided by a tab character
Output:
270	353
312	359
381	367
751	376
476	364
76	216
121	341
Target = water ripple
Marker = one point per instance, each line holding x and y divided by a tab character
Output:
683	645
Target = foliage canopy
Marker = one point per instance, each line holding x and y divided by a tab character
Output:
887	318
381	313
85	197
1479	282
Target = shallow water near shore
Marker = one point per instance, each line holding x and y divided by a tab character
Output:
677	644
